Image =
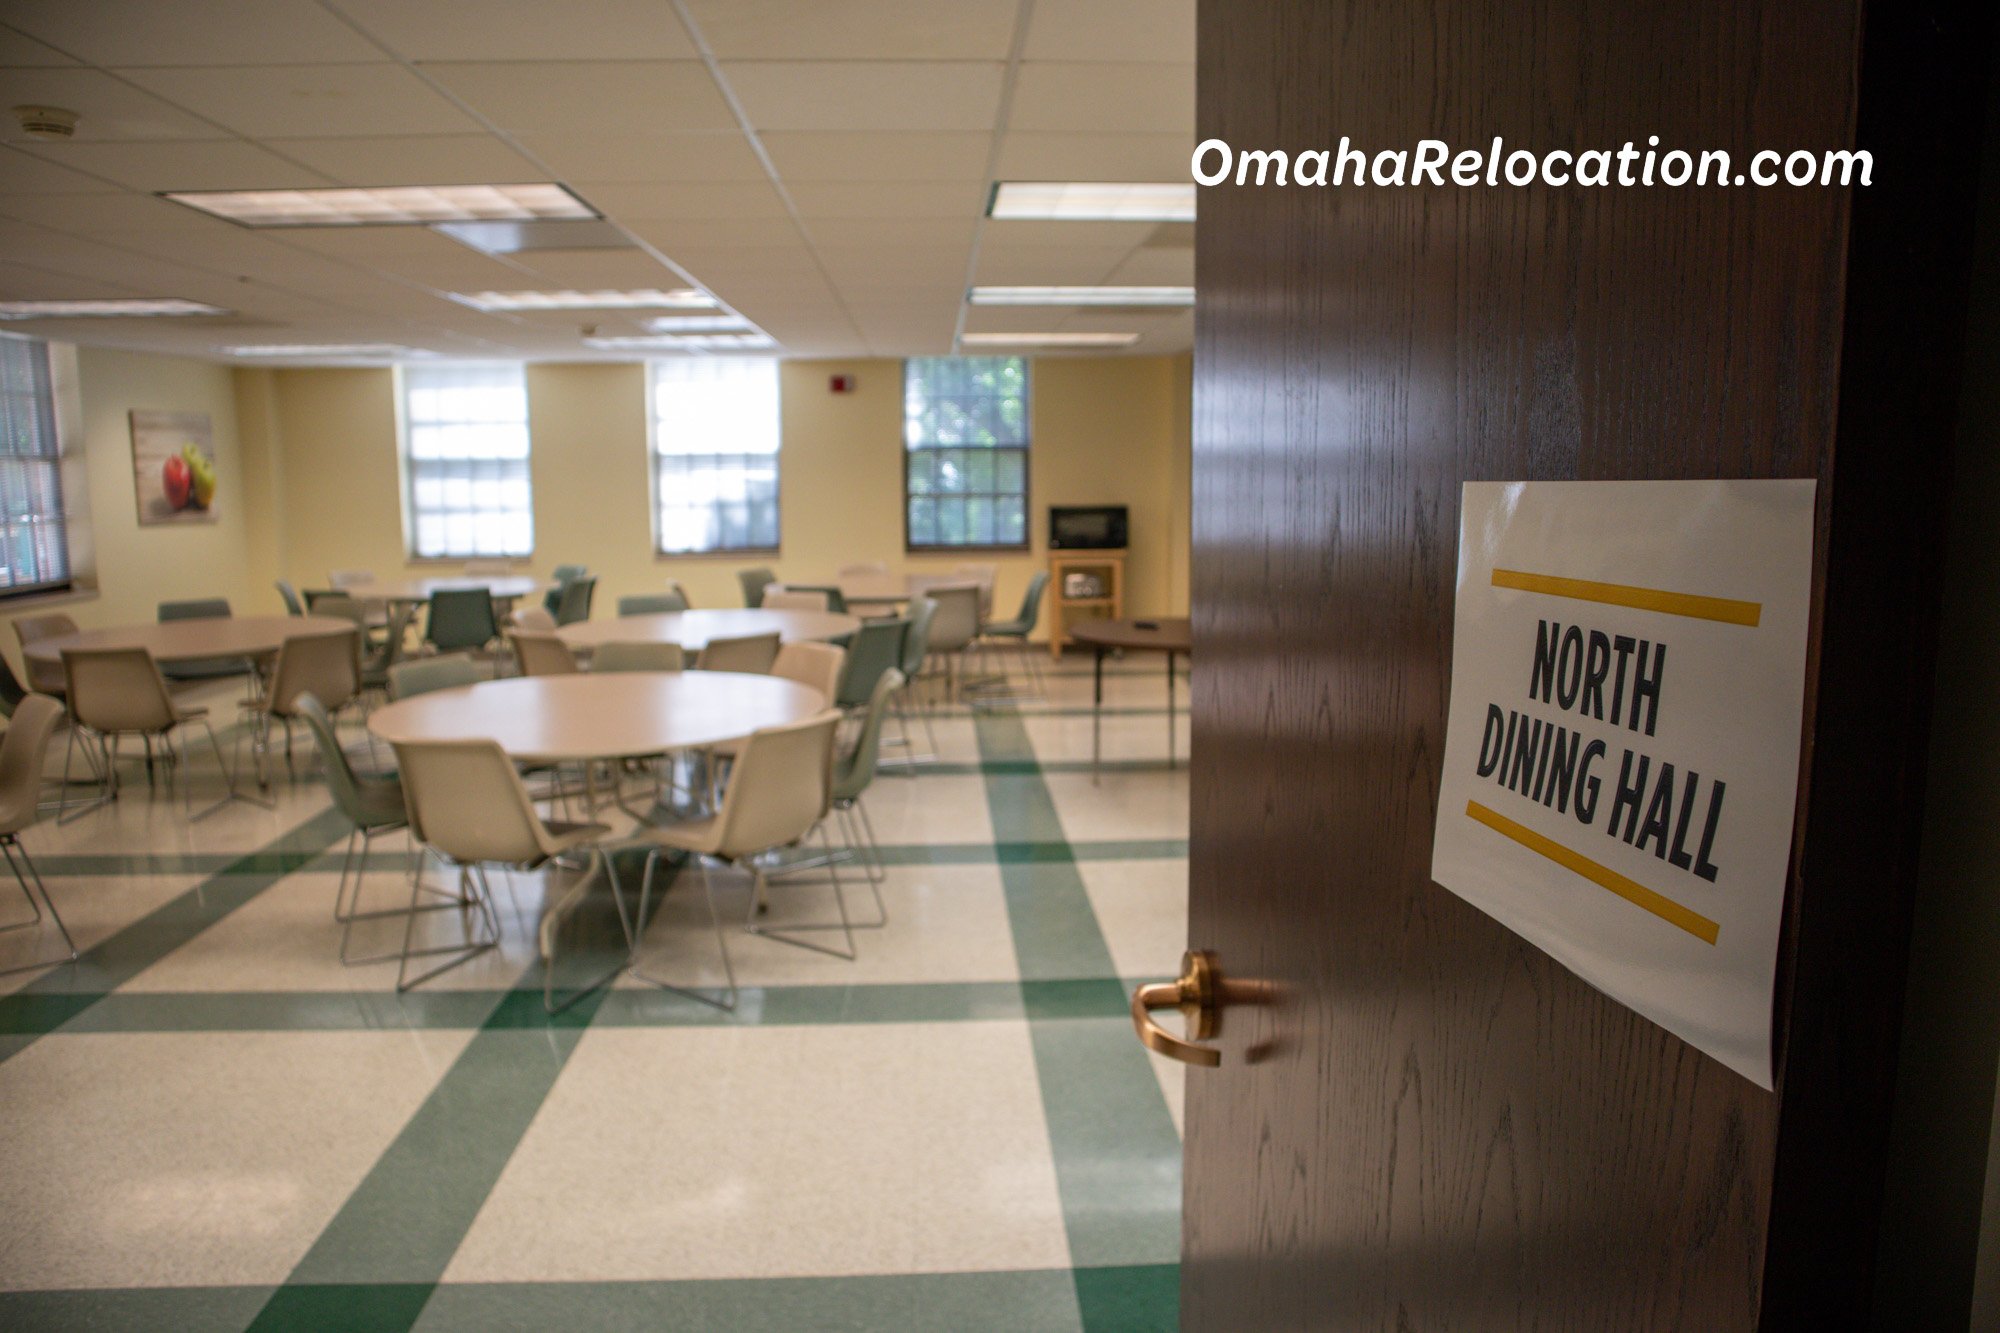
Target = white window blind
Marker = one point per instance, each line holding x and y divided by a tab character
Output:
467	436
34	545
715	454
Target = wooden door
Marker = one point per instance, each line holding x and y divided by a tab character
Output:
1433	1126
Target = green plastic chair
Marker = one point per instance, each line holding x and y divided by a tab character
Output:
916	647
852	775
11	689
875	648
383	657
652	604
373	803
293	606
1022	625
460	619
432	673
639	657
836	602
754	581
574	605
207	668
562	577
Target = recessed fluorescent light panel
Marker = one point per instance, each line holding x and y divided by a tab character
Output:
699	324
685	298
691	342
325	350
408	205
1078	296
1084	201
1049	339
103	309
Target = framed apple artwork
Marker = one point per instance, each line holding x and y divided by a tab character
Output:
173	466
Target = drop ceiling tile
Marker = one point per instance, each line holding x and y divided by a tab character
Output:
1047	265
22	172
598	270
18	282
413	159
108	110
895	237
1094	157
867	95
586	96
691	235
1105	98
848	157
194	32
525	30
225	164
308	101
889	199
1113	30
587	159
1156	267
99	214
744	200
857	29
915	261
19	49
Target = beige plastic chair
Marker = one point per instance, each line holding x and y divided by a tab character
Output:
638	657
794	599
433	673
468	807
817	666
533	619
44	677
752	654
22	752
118	692
983	576
326	666
781	792
543	655
954	627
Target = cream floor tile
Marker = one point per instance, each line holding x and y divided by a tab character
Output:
1144	803
1172	1076
946	923
1141	907
708	1153
930	808
191	1159
955	739
1068	737
94	907
145	820
286	939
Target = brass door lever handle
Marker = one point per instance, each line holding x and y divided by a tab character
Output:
1195	995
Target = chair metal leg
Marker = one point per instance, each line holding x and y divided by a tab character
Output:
638	930
366	838
552	922
845	926
228	776
24	870
464	953
107	779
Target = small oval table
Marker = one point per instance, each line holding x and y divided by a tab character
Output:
1169	635
247	637
619	715
501	587
692	630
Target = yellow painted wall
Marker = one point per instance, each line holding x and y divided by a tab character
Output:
137	568
1105	430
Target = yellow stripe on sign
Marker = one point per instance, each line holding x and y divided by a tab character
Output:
1661	906
1688	604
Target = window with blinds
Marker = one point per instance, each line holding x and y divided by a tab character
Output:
466	436
965	432
715	454
34	543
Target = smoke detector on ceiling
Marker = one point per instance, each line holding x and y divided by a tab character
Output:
46	122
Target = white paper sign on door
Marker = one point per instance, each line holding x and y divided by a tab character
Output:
1621	768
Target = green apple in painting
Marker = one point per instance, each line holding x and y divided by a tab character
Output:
177	482
203	474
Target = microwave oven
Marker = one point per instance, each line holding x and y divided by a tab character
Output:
1087	527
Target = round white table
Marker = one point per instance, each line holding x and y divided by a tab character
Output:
247	637
502	588
621	715
692	630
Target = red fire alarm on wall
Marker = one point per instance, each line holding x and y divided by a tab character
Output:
841	383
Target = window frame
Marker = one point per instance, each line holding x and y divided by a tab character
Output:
1026	450
47	407
409	466
654	455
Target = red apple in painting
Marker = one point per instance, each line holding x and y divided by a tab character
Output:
177	481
